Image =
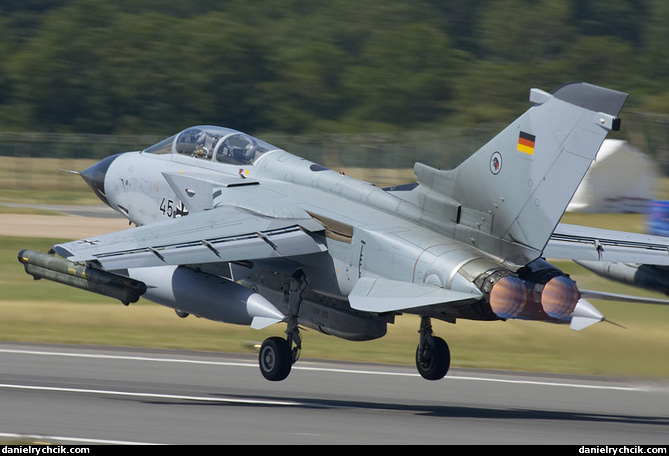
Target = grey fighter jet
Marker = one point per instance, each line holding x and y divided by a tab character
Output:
233	229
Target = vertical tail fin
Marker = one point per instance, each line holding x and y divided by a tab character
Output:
513	191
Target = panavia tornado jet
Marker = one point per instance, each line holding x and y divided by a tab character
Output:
233	229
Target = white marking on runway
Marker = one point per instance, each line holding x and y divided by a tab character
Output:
52	438
323	369
153	395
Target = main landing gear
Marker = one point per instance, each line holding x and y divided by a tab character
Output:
277	355
433	358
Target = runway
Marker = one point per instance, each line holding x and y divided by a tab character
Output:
102	395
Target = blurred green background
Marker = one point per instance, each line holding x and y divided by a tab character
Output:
307	66
379	83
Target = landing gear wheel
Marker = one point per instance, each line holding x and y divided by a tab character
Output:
433	361
275	359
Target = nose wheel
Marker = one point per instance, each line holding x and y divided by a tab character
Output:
433	358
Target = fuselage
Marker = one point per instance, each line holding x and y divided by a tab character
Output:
368	231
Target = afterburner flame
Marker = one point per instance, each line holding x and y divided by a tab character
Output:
513	297
559	297
508	297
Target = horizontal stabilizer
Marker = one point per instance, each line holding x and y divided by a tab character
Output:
585	243
604	296
382	295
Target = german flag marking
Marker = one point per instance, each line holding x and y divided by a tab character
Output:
526	143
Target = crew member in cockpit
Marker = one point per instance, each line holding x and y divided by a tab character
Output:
205	145
239	149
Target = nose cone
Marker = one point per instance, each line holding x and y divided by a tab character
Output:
95	177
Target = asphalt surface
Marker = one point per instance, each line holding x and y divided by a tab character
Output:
98	395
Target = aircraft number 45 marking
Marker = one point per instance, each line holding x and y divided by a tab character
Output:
172	209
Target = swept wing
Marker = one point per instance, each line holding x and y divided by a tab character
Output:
222	234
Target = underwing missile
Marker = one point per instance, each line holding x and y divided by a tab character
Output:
57	269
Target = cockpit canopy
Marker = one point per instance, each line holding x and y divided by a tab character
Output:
223	145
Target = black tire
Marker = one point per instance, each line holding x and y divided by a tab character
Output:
275	359
434	363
